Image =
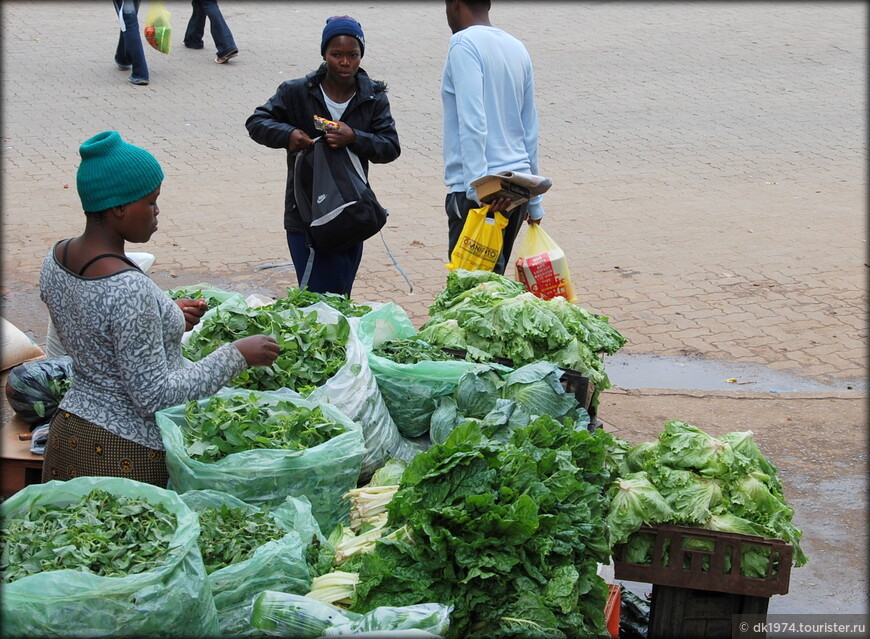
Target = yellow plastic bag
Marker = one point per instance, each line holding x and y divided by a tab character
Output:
542	267
158	33
480	243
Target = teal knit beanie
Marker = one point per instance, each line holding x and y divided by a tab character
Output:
114	172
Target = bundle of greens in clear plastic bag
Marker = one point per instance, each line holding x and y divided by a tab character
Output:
264	474
410	390
354	390
239	566
145	596
288	615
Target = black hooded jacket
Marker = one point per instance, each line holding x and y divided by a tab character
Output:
294	106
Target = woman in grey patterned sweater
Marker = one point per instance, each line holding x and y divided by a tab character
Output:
121	330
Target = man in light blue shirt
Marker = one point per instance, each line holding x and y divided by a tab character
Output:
490	119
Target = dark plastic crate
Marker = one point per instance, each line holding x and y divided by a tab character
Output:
686	613
676	561
572	381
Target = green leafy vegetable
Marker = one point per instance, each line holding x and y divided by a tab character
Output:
300	298
224	425
411	350
719	483
104	534
634	501
311	351
509	532
502	400
231	535
489	315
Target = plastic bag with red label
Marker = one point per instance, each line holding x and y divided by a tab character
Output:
158	33
542	267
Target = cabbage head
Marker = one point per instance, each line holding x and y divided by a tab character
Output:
743	443
753	499
634	501
537	387
444	419
694	501
477	391
687	446
639	457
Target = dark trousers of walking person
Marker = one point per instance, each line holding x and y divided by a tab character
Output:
220	32
130	51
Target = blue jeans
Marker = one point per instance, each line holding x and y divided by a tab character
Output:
332	273
220	32
130	50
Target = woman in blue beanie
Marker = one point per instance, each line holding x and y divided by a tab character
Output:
341	91
122	332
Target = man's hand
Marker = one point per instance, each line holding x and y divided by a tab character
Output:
298	140
193	310
341	137
499	205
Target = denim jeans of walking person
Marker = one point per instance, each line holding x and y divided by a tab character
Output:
130	52
220	32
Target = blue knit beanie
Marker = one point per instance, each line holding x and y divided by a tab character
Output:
342	25
114	172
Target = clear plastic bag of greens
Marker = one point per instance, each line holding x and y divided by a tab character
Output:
410	390
354	390
288	615
172	596
277	564
259	476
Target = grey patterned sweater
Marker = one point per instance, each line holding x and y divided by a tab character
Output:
123	334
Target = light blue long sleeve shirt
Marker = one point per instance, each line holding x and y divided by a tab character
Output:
490	119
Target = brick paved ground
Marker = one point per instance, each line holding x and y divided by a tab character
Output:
709	165
708	159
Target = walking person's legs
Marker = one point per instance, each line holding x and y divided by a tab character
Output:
220	31
130	52
195	27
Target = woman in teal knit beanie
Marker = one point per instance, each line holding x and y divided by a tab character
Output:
121	330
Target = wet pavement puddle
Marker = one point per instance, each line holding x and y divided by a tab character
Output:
691	373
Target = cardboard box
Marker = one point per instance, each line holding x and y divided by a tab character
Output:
495	187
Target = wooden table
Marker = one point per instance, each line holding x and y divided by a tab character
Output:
18	466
